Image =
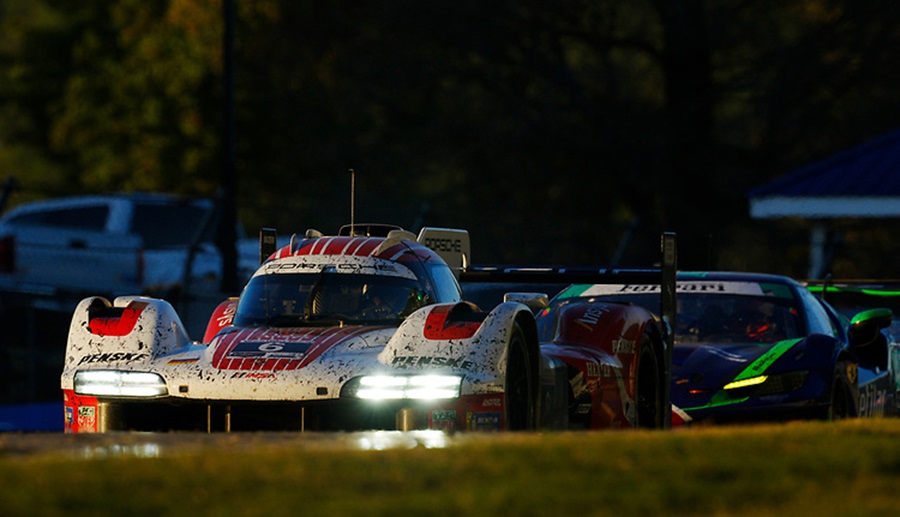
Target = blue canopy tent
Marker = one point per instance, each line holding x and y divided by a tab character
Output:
863	181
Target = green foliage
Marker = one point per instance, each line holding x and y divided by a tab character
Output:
132	112
580	127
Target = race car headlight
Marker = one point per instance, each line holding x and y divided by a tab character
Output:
114	383
420	387
752	381
768	384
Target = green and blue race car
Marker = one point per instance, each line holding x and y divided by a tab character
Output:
758	347
879	378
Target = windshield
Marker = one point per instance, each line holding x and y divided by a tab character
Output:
328	298
719	318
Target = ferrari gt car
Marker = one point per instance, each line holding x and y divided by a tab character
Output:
366	329
753	347
879	372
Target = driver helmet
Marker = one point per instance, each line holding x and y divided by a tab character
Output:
756	320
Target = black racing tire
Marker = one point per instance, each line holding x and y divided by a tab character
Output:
520	383
843	396
649	387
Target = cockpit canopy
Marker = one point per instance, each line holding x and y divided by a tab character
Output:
300	291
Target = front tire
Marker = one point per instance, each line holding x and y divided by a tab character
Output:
843	395
649	387
521	383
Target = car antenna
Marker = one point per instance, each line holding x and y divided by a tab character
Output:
828	282
352	199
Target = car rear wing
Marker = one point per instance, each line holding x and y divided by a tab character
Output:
662	276
872	288
450	244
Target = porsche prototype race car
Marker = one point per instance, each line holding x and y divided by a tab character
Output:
753	347
363	330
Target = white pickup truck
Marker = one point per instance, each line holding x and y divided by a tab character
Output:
116	244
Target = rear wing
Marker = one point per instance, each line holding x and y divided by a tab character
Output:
873	288
663	276
450	244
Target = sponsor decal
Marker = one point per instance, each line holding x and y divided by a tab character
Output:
872	401
595	370
253	375
112	357
418	361
623	346
763	362
269	350
443	415
70	416
592	316
483	421
186	360
747	288
443	419
444	244
346	266
87	418
227	315
292	267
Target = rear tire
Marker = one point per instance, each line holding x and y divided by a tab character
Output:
649	387
520	384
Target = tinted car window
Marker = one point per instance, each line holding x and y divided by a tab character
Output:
163	226
819	320
447	289
81	218
717	317
295	299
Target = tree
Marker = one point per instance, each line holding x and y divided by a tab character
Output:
138	106
564	132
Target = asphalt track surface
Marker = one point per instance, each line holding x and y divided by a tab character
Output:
152	445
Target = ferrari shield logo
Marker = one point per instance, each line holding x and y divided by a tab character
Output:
852	372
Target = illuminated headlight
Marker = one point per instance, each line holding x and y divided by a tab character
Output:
744	383
768	384
421	387
113	383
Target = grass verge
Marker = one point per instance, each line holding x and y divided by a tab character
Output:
808	468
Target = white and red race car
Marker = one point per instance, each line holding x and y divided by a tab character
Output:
363	330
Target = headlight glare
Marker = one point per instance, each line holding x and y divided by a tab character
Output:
423	387
113	383
743	383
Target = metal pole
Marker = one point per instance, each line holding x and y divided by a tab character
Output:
668	304
227	244
352	201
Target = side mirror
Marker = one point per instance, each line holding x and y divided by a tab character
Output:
866	326
534	301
